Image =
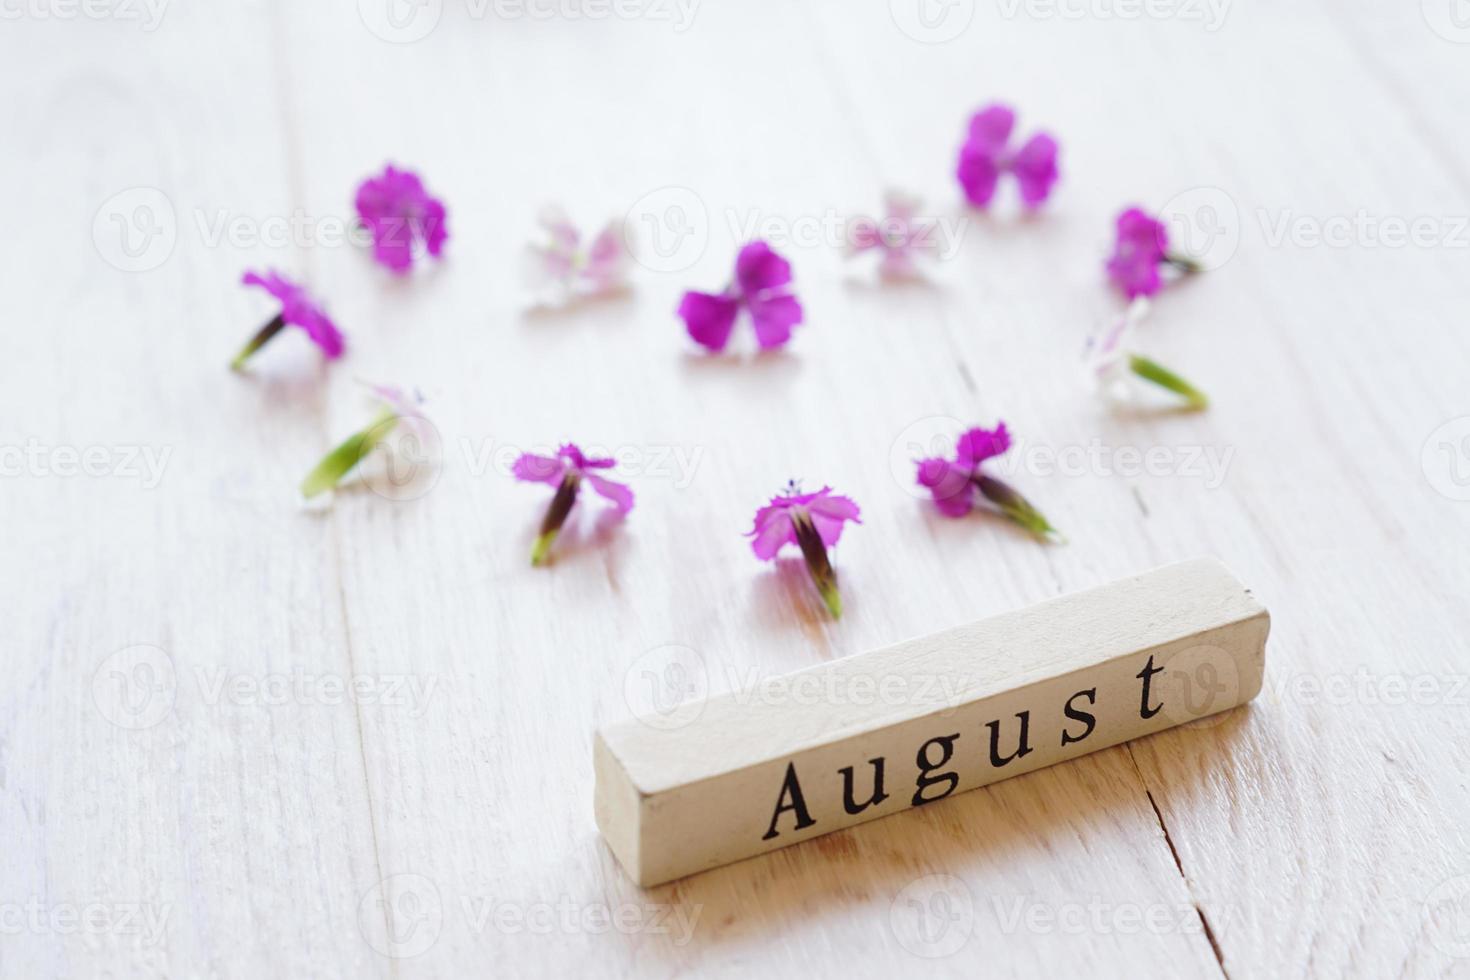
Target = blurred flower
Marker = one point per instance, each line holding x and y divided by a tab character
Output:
566	471
811	521
1114	365
1139	253
298	309
954	483
402	217
396	409
563	268
986	155
762	285
900	237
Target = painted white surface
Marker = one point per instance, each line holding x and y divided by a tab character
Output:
1318	831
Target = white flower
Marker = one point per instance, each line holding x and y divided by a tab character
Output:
1109	351
562	268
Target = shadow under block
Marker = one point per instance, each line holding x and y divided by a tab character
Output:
875	734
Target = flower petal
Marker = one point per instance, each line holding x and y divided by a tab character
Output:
322	331
977	173
977	445
432	226
829	513
607	260
1035	167
392	244
619	493
990	128
950	485
758	268
774	317
709	318
773	528
539	469
564	234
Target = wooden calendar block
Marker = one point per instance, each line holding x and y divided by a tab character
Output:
908	725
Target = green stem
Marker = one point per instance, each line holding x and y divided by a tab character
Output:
1184	264
1154	371
1015	506
817	563
255	343
556	516
340	461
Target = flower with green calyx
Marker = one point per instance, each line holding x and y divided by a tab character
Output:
811	521
396	411
298	309
956	483
1117	367
567	471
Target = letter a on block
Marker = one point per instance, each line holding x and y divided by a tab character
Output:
1019	691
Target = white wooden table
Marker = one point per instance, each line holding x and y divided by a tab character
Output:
234	813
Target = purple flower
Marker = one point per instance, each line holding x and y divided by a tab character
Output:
298	309
1139	254
954	483
986	155
811	521
566	471
401	216
900	237
563	267
762	285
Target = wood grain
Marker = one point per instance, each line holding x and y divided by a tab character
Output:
449	831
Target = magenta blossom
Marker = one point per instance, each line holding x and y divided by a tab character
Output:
986	155
402	217
762	285
1140	253
566	471
900	237
955	482
811	521
298	309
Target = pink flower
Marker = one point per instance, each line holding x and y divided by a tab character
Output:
563	268
1140	252
298	309
401	216
986	155
762	285
811	521
954	483
566	471
900	237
